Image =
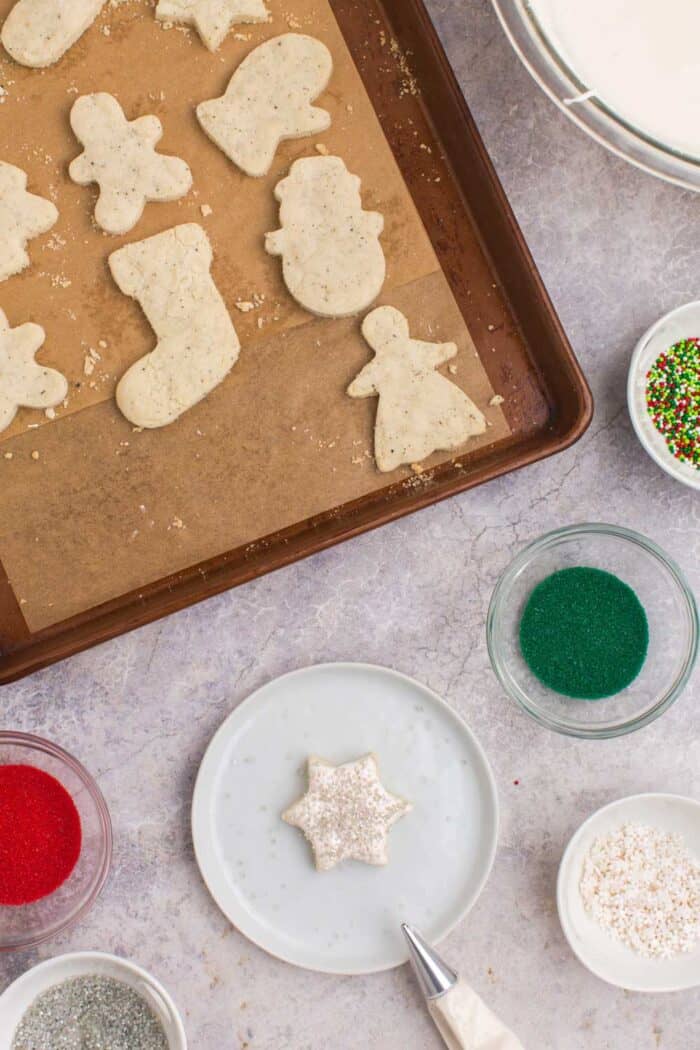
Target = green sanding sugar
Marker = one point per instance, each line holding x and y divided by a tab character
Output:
584	633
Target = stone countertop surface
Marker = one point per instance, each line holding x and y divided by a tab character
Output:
616	248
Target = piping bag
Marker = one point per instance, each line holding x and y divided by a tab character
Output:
463	1019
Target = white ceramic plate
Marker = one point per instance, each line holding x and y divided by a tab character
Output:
606	957
16	1000
260	870
682	323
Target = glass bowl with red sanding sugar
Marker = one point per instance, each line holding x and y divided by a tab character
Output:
667	657
55	840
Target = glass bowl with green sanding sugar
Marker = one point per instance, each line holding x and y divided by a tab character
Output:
593	630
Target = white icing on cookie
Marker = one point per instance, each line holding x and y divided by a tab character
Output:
419	411
268	99
120	156
38	32
23	382
346	812
197	344
333	262
212	18
22	216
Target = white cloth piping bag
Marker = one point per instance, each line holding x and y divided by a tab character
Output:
463	1019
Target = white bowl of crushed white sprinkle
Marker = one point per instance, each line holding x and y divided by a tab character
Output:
628	893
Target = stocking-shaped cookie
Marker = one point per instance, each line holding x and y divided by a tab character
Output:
268	99
212	18
419	411
197	344
23	382
333	263
38	32
22	216
120	156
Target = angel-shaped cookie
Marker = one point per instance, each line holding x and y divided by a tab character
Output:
212	18
120	156
419	411
22	216
333	263
23	382
268	99
38	32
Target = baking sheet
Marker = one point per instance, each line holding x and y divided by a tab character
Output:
104	510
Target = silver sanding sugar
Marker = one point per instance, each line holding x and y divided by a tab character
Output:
90	1013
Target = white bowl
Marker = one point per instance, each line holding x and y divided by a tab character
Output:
604	956
16	1000
682	323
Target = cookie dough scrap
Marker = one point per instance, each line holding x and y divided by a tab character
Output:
419	411
120	156
268	99
346	812
23	382
197	344
333	263
22	216
212	18
37	33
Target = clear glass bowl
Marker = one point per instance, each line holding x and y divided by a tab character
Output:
601	123
27	925
667	600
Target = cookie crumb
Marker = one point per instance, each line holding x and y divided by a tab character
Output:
322	149
206	210
497	399
50	413
8	455
35	455
452	369
417	468
245	306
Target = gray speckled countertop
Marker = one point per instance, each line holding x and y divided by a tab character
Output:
616	248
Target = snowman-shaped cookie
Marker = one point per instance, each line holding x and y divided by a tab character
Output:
333	262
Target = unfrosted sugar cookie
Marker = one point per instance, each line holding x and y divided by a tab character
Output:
38	32
346	812
419	410
268	99
333	263
120	156
22	216
23	382
197	344
212	18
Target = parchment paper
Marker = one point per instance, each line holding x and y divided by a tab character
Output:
104	509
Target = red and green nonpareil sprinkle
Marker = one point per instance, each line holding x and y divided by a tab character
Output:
673	399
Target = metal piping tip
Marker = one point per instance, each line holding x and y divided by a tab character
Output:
434	976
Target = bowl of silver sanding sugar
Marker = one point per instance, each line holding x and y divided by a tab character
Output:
89	999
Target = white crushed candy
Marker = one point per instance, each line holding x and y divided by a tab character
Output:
346	812
642	886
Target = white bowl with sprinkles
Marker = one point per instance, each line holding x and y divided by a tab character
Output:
138	1011
676	326
628	893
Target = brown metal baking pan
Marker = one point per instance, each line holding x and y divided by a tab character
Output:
497	290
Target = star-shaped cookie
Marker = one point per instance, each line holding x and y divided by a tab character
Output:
212	18
346	812
22	216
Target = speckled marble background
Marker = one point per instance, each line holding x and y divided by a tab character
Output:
616	248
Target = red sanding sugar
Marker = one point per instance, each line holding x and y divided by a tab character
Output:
40	834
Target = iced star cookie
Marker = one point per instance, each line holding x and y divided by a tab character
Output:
332	261
346	812
169	275
24	382
22	216
212	18
268	99
419	410
120	156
